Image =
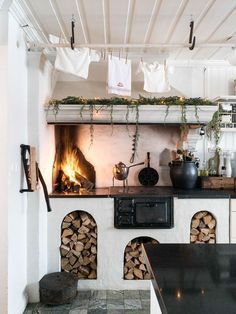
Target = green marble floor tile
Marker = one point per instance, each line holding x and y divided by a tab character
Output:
132	304
115	294
115	304
131	294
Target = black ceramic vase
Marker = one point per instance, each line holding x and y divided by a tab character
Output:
183	174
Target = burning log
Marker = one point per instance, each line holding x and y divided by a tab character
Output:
79	245
134	261
84	183
203	226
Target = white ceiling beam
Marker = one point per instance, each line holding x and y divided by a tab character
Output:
198	21
153	18
82	19
176	19
59	19
106	23
216	29
129	20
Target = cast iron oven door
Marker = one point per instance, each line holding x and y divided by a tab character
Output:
143	212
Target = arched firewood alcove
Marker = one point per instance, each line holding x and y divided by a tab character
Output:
203	228
134	262
79	245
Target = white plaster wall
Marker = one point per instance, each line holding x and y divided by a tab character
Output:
3	185
112	242
16	135
111	145
41	135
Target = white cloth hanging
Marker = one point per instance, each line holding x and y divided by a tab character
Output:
155	77
75	61
119	76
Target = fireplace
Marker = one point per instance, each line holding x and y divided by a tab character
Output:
71	171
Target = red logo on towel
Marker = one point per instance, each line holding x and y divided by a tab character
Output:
120	84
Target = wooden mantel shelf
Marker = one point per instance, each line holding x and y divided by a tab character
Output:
148	114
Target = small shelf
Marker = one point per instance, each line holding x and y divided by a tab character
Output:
227	111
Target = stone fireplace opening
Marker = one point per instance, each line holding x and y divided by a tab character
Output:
79	245
135	267
203	228
71	171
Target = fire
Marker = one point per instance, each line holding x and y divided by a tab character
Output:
72	172
70	166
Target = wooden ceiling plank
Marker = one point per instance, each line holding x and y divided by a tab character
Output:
176	20
36	24
153	18
198	21
221	23
129	20
59	19
82	19
197	51
106	21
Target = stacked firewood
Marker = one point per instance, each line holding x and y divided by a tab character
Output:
79	245
134	261
203	228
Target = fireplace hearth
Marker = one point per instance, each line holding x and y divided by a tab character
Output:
114	244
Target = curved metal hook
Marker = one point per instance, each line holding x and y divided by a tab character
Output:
72	39
192	40
193	43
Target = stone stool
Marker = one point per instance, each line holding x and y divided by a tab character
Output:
58	288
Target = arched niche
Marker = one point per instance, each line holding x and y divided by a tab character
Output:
79	245
135	267
203	228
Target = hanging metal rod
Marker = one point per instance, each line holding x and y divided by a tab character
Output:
34	45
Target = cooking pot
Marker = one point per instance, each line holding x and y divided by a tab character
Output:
121	171
183	174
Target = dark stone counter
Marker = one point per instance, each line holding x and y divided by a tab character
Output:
157	191
193	278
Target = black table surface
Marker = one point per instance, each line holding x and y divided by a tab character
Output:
140	191
193	278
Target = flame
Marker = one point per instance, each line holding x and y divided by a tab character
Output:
70	165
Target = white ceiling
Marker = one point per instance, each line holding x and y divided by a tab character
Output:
162	23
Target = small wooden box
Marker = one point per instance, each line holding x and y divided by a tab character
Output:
217	183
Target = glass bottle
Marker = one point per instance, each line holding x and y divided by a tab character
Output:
228	164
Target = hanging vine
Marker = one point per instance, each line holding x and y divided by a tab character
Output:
98	104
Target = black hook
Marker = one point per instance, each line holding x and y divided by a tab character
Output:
192	40
72	39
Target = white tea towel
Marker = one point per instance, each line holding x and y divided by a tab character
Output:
119	76
75	61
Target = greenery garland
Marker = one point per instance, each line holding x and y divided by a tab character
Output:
167	101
